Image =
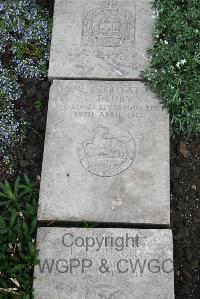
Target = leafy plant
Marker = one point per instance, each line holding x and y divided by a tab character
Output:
174	72
25	36
18	254
24	53
10	92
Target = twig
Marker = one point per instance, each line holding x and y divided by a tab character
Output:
10	291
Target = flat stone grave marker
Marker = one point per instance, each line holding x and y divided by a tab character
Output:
104	263
100	38
106	155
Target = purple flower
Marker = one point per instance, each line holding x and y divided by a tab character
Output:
2	6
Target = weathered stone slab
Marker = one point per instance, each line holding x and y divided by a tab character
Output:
106	155
104	263
100	38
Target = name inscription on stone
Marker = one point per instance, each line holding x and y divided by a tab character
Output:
111	149
110	103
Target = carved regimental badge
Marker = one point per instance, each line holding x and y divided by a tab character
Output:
107	24
108	153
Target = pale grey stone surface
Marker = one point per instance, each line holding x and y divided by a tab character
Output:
100	38
106	155
104	263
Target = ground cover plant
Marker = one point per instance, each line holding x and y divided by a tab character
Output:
174	75
174	72
25	33
9	126
18	255
24	53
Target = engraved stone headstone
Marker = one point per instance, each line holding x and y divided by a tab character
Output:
100	38
104	263
106	155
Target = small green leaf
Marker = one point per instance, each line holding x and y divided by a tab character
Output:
7	185
2	186
3	231
16	186
18	268
31	248
12	219
4	195
33	226
23	193
3	224
25	227
26	179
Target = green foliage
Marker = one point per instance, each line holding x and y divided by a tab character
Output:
18	254
24	53
39	105
9	164
174	72
31	50
25	33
